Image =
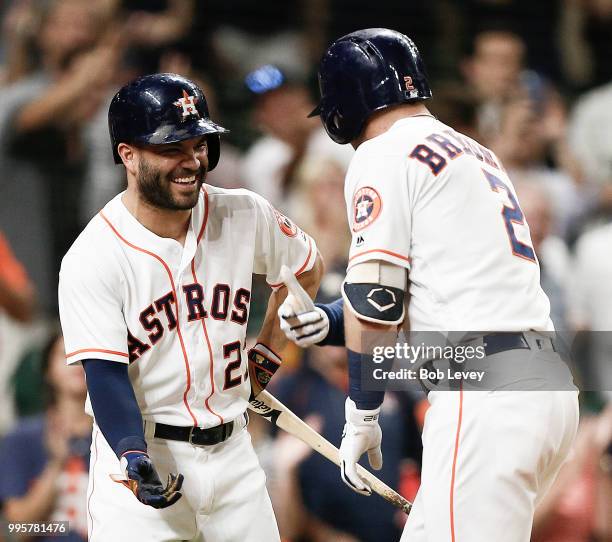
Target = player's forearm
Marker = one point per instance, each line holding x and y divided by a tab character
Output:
114	405
46	109
37	503
361	337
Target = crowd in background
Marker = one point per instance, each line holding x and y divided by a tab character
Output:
530	80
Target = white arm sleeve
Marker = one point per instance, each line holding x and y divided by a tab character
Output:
279	241
379	209
91	312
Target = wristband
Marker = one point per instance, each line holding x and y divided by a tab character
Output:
365	400
335	315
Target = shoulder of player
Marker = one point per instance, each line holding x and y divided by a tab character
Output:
92	252
236	198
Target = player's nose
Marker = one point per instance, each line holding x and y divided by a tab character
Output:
194	160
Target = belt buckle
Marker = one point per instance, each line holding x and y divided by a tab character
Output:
190	439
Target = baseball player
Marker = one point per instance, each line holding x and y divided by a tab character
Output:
154	301
434	217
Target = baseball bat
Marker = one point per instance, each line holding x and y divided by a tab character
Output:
274	411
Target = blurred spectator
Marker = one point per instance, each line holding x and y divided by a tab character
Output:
576	508
496	71
41	150
281	108
44	460
522	118
16	292
590	135
246	34
318	206
325	509
456	105
152	27
587	38
17	307
537	24
20	23
591	307
154	23
553	254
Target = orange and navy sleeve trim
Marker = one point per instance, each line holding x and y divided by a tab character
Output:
97	351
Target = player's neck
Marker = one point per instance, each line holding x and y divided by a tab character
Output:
166	223
382	120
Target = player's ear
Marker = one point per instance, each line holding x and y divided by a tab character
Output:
128	156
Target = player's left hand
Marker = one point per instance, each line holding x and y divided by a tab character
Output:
361	434
144	482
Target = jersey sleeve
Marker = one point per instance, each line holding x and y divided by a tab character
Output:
279	241
91	312
378	209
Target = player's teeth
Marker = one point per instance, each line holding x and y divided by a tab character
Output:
185	179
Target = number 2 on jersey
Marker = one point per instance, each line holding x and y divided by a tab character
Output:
231	352
513	216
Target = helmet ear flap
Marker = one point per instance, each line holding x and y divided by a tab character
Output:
341	128
214	150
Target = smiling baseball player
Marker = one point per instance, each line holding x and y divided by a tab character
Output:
154	301
434	215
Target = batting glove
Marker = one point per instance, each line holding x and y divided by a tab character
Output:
301	322
303	328
263	363
361	434
143	481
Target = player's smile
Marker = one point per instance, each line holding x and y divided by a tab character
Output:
185	180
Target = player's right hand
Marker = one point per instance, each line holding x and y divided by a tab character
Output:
143	481
301	322
305	328
361	434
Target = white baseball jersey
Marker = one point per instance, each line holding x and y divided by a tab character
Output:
177	314
427	198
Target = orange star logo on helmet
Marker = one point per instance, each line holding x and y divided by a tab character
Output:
187	104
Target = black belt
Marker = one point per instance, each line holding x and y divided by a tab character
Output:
500	342
196	435
495	343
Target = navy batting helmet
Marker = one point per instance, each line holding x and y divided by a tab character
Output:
366	71
162	108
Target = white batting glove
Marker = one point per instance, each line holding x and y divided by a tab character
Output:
304	329
361	434
301	322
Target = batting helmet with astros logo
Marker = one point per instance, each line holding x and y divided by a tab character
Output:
162	108
366	71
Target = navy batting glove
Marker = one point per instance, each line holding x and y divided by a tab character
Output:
144	482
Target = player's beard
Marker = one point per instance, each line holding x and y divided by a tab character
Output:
156	189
